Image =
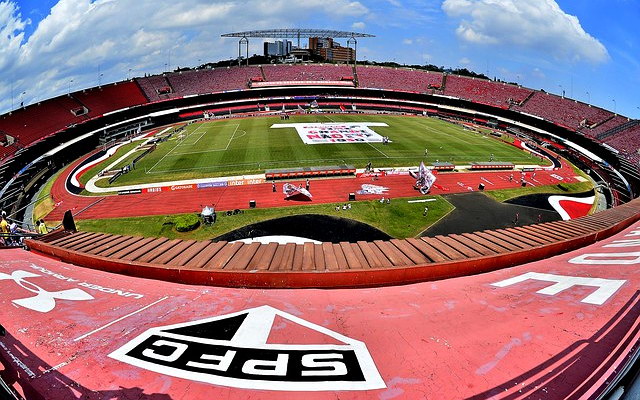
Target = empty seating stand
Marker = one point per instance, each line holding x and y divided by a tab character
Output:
111	97
331	264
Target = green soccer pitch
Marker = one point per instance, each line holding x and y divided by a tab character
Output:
250	146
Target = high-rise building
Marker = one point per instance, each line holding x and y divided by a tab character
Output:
279	48
330	50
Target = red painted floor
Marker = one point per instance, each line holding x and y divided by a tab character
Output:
323	190
76	333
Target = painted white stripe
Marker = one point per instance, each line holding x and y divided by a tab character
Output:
120	319
421	201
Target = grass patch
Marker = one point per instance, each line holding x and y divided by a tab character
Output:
399	219
561	188
186	222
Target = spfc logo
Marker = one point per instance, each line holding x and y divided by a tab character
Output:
258	348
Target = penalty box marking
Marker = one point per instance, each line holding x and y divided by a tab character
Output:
181	154
233	136
206	131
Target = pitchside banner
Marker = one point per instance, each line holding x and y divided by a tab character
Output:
336	132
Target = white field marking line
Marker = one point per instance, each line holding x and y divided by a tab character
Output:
181	142
120	319
437	131
170	151
421	201
206	131
197	140
231	138
379	151
209	151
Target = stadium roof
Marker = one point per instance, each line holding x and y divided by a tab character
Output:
296	33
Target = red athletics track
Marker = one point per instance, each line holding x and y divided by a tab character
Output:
323	190
560	328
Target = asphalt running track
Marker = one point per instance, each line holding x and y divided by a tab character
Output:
237	197
553	329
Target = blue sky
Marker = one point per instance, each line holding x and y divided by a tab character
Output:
590	49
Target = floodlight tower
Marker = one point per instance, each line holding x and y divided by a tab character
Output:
245	41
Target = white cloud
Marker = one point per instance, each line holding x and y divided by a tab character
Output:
407	41
79	36
11	33
539	25
358	25
464	61
538	74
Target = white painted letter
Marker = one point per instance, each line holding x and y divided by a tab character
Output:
222	364
311	361
272	368
607	259
179	349
606	287
624	243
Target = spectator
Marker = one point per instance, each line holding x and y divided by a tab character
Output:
4	228
42	228
15	240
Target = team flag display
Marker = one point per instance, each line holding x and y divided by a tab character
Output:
336	132
292	192
424	179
